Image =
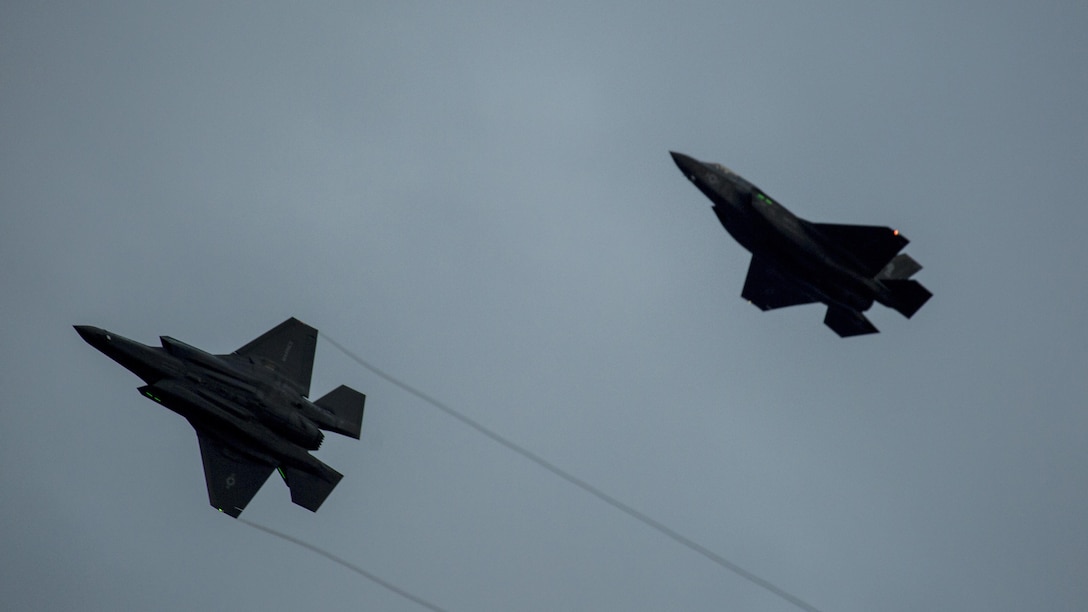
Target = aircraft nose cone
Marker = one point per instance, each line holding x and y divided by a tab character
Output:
91	334
687	165
680	158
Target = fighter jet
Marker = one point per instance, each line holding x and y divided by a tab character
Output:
794	261
249	409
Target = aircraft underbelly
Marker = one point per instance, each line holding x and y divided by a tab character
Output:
822	277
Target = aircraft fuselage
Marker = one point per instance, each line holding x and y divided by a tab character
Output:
771	232
226	395
249	409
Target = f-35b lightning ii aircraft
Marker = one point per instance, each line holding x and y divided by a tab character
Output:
249	409
795	261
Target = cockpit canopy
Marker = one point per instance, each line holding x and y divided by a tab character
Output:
720	167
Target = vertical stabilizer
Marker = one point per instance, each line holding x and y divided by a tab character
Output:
901	267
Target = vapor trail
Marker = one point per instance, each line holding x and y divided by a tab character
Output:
585	486
355	568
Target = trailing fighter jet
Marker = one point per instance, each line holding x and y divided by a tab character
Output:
795	261
249	409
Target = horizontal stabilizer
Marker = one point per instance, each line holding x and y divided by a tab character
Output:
907	295
848	322
901	267
310	490
346	404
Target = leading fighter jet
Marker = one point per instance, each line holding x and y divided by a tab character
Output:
249	409
794	261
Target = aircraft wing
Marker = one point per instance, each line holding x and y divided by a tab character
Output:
768	288
871	245
287	349
232	479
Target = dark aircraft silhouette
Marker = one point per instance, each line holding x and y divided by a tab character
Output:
249	409
795	261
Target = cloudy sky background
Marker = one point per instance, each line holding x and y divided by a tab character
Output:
479	199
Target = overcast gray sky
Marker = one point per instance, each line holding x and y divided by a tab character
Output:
478	198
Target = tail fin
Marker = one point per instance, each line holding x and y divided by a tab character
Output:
907	295
347	405
901	267
310	490
848	322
